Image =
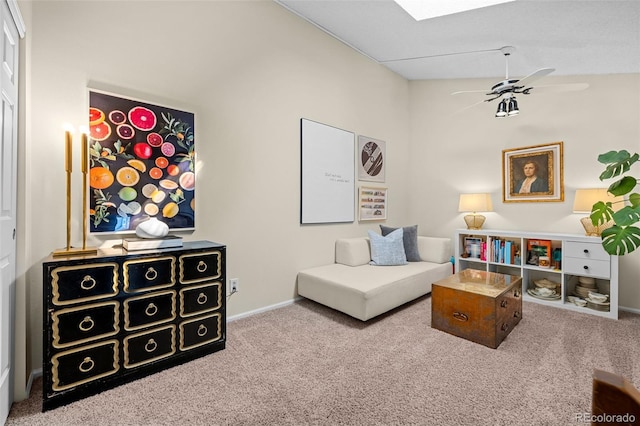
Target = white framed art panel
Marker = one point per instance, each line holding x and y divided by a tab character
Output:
327	173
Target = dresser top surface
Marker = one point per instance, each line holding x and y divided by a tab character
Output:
489	284
119	251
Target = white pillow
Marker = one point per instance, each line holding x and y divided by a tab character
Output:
389	250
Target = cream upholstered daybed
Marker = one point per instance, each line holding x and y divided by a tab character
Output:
354	286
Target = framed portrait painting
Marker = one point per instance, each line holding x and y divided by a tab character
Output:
533	173
142	164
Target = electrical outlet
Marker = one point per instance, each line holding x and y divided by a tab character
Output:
233	285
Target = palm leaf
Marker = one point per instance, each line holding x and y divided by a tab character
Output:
617	162
618	240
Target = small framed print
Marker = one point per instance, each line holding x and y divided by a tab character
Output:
372	203
371	159
472	247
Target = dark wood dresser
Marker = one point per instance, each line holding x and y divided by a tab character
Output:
477	305
118	316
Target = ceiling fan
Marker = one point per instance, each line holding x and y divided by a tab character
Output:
508	88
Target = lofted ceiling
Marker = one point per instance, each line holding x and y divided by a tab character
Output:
576	37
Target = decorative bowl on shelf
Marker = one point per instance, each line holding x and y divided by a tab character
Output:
543	293
598	297
577	301
545	283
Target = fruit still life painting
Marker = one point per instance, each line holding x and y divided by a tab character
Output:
142	164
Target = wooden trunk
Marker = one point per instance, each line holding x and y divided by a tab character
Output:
477	305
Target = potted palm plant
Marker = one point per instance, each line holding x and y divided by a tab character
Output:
624	236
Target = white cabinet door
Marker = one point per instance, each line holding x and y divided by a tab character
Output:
8	188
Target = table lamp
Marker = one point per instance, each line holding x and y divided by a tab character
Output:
583	203
475	203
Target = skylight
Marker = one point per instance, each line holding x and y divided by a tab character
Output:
425	9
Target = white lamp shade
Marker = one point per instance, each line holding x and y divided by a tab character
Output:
475	203
586	198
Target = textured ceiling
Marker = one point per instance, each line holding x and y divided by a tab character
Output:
574	37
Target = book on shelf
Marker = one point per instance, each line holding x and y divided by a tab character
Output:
151	243
505	251
536	249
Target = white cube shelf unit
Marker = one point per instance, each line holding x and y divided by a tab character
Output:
517	253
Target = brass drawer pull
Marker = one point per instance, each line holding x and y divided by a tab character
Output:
202	299
88	282
504	327
503	304
151	346
516	314
151	310
202	266
460	316
151	274
202	330
86	365
516	293
86	324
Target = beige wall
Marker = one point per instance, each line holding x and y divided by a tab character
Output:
250	71
452	153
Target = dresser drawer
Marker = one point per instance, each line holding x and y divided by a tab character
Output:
508	313
83	283
149	274
587	268
74	326
82	365
198	267
150	309
585	250
200	331
198	299
149	346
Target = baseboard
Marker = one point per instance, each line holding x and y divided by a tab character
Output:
264	309
32	376
632	310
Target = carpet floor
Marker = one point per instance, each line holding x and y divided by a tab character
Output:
305	364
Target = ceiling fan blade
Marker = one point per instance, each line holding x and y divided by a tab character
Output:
462	92
525	81
469	107
555	88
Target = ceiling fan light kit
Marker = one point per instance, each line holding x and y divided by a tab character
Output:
502	109
508	107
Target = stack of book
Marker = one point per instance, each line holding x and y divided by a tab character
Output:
505	251
169	241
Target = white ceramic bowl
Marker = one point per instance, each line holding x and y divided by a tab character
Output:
543	291
598	297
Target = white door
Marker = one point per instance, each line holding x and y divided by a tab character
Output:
8	188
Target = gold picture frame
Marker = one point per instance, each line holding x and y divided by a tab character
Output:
533	174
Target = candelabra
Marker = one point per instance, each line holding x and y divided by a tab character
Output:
68	157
